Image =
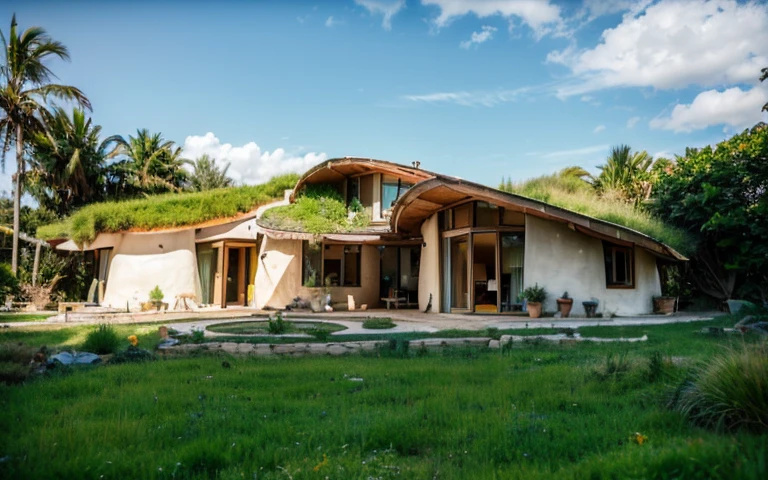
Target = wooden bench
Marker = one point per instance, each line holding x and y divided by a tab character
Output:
395	300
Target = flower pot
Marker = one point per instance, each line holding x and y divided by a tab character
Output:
534	309
564	306
665	305
590	308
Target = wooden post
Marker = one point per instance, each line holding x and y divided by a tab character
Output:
36	264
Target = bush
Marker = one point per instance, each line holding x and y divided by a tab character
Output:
156	295
729	392
535	294
102	341
198	336
133	354
9	284
379	323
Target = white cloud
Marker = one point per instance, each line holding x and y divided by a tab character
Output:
470	99
387	9
542	16
598	129
673	44
330	22
248	163
632	122
733	107
578	152
485	34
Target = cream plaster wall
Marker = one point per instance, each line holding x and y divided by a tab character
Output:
560	259
139	264
278	278
429	267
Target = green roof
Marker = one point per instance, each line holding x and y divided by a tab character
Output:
165	211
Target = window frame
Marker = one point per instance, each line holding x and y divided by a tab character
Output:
609	252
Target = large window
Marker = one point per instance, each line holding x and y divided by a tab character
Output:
332	265
619	266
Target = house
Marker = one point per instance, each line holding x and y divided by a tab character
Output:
427	239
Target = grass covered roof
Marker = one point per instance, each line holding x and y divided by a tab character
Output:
166	211
575	194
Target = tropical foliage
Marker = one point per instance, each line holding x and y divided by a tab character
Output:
164	211
207	175
24	92
719	196
625	175
68	161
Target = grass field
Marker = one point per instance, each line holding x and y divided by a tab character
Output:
23	317
532	411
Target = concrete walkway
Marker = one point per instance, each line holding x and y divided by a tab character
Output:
406	320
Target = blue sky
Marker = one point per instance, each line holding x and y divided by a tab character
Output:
477	89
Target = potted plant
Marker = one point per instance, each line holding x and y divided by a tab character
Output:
534	295
156	297
564	305
670	291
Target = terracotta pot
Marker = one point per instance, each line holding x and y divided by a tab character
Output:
534	309
564	306
665	305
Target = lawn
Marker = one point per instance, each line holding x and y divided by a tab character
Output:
23	317
532	411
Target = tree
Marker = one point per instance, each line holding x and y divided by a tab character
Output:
68	162
151	165
24	93
719	195
625	174
206	174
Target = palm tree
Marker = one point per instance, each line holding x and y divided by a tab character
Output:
24	92
68	162
207	175
151	165
625	174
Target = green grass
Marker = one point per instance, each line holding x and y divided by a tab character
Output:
262	328
23	317
534	411
165	211
379	323
578	196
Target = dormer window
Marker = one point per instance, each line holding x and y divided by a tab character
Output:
391	189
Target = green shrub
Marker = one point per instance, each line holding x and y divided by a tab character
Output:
379	323
729	392
276	326
9	284
535	294
133	354
319	334
156	295
198	336
102	341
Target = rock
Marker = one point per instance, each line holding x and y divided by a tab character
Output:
495	344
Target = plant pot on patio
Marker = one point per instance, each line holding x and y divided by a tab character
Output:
590	308
665	305
564	305
534	309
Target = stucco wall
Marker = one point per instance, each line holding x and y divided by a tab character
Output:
429	267
139	264
278	278
560	259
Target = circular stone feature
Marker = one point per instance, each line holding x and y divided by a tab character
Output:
260	327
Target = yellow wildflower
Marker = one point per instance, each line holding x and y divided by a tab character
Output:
134	341
321	464
638	438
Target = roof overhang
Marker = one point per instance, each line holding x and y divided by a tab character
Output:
440	193
337	169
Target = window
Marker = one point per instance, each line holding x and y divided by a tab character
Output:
311	273
512	218
486	214
619	266
334	265
392	188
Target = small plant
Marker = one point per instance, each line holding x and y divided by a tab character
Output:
356	206
198	336
535	294
102	341
379	323
493	333
133	354
156	295
276	326
320	334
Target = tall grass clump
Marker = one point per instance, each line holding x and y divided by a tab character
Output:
102	341
730	391
579	196
165	211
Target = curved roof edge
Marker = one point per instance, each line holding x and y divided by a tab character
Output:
411	209
344	166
